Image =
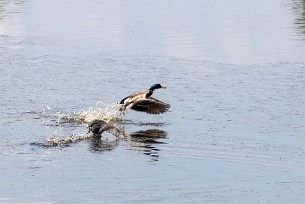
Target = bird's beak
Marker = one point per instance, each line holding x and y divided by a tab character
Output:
164	87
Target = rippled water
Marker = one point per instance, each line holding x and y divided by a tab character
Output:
235	75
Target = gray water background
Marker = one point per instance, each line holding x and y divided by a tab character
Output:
235	76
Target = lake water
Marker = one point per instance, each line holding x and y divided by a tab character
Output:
235	72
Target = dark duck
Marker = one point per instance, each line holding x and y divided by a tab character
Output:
97	127
143	102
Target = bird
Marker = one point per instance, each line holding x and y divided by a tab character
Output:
143	102
97	127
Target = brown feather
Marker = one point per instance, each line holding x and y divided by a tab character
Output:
150	105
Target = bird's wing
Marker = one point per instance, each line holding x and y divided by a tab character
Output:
135	95
96	121
150	105
112	130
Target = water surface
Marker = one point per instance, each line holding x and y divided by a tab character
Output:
235	77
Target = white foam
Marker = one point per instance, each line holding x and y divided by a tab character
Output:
101	111
108	113
56	140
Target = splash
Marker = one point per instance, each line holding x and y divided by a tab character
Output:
108	113
56	140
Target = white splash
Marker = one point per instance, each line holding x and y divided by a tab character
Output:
108	113
56	140
101	111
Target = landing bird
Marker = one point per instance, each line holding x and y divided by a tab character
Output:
97	127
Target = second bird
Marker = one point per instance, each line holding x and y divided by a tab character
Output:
142	101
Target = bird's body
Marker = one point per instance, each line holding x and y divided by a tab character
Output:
142	101
97	127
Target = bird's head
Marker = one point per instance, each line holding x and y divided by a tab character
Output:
156	86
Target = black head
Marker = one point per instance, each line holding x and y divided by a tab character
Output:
156	86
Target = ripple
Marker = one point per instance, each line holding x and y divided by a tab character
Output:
231	154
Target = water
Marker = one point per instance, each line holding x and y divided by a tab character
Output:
235	77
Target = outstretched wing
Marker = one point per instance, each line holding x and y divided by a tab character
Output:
150	105
112	130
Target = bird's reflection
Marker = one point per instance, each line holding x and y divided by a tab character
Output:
143	141
146	141
299	8
100	144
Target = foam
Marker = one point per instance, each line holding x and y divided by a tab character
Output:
56	140
108	113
